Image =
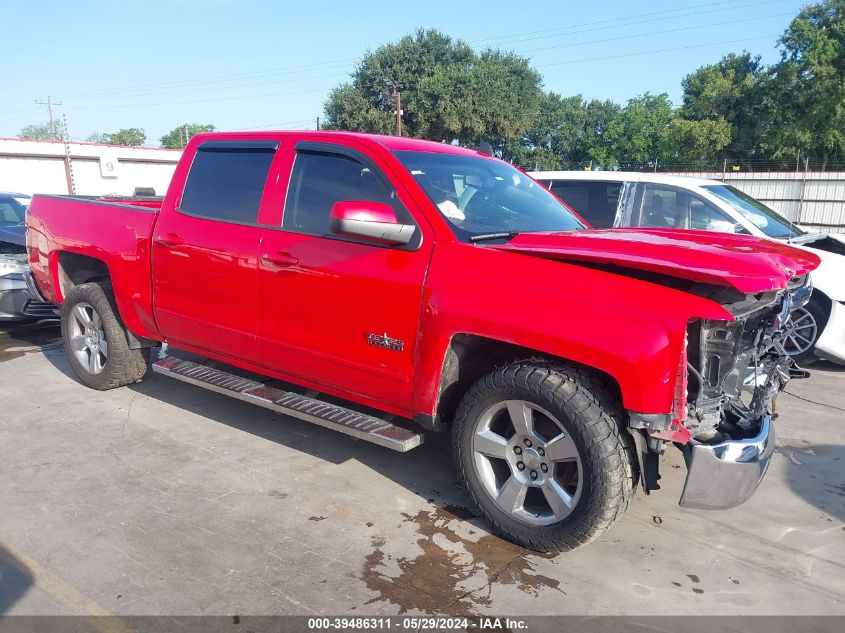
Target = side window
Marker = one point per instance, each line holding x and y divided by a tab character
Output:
321	179
664	208
596	202
7	214
226	181
703	215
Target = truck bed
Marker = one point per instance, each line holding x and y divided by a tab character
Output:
116	233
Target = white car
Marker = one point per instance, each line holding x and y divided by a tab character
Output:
607	199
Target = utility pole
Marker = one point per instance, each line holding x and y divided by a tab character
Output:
318	123
50	103
71	185
398	113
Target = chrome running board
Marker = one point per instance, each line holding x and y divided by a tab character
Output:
331	416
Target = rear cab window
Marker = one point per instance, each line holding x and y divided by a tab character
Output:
226	180
595	201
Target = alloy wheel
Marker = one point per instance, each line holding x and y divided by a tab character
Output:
87	338
801	332
527	462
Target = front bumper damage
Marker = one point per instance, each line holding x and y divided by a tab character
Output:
724	410
724	475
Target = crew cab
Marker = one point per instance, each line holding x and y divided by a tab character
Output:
449	291
607	199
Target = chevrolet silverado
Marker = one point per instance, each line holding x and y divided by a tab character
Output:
449	291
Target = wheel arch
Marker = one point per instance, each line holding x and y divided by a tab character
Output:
469	357
73	269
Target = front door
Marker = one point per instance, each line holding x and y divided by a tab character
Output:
205	251
342	314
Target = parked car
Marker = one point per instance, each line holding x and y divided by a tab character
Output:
16	302
438	285
633	199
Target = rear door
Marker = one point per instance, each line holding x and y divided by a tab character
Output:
340	313
205	251
597	201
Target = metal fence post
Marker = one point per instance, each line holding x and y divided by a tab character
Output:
803	189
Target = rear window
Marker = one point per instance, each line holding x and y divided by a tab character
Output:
596	202
227	179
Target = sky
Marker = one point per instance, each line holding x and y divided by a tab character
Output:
262	64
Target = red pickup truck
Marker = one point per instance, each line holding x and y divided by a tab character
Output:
449	291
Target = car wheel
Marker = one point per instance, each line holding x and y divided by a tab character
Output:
802	332
543	454
95	340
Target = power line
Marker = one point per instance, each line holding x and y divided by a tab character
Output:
50	103
602	24
660	50
651	33
140	90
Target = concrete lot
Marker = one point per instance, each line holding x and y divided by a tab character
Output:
164	498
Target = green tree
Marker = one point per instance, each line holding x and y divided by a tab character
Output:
495	98
696	143
638	136
448	91
810	83
179	136
734	90
41	132
567	133
131	137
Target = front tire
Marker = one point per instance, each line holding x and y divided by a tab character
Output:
95	340
543	454
803	331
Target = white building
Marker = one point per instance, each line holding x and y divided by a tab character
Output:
40	167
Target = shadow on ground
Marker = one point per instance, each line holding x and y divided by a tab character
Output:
816	473
15	579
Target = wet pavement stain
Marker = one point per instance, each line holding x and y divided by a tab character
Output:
17	340
457	578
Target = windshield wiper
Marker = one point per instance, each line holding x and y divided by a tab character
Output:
483	237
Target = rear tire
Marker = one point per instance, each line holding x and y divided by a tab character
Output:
559	480
95	340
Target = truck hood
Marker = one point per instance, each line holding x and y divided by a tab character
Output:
746	263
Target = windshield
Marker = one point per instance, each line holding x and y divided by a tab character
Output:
770	222
12	212
480	196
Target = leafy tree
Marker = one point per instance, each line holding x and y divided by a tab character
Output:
810	82
448	91
638	136
568	133
131	137
367	102
42	132
96	137
496	97
697	142
734	90
179	136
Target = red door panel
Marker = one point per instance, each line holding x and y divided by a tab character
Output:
204	275
321	298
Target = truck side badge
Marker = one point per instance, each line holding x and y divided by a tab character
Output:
383	340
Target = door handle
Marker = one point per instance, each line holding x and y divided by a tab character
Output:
171	239
280	258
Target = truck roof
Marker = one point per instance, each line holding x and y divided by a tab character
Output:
391	143
629	176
